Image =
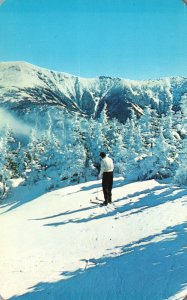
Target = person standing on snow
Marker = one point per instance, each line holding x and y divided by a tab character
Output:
106	173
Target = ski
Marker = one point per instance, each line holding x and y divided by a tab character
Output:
110	206
96	201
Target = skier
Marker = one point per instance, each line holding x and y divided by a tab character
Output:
106	173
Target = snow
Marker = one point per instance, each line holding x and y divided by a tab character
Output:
59	245
16	74
17	77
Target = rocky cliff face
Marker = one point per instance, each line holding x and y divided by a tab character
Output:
24	87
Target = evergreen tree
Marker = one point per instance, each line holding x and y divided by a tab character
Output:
74	155
168	124
161	154
95	141
103	126
117	147
5	173
130	141
87	130
33	155
15	164
181	172
145	123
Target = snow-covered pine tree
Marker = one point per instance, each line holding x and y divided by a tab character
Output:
161	157
142	153
22	160
103	123
87	126
117	147
95	140
74	154
34	151
5	173
46	152
130	141
145	123
168	124
172	138
181	173
12	153
153	141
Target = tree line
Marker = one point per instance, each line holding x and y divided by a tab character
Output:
146	147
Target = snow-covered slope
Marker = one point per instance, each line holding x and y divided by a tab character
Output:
62	246
22	86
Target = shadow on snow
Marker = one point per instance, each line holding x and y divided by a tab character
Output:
23	194
150	199
145	269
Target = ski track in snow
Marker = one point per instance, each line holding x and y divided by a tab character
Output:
59	245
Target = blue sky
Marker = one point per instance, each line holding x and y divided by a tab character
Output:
122	38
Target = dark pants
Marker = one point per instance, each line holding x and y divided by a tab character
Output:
107	182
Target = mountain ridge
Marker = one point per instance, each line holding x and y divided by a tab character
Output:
23	85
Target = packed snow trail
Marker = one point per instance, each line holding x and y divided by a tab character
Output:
62	246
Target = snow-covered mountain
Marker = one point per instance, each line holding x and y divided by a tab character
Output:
24	87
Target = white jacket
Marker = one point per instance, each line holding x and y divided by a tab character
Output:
107	165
